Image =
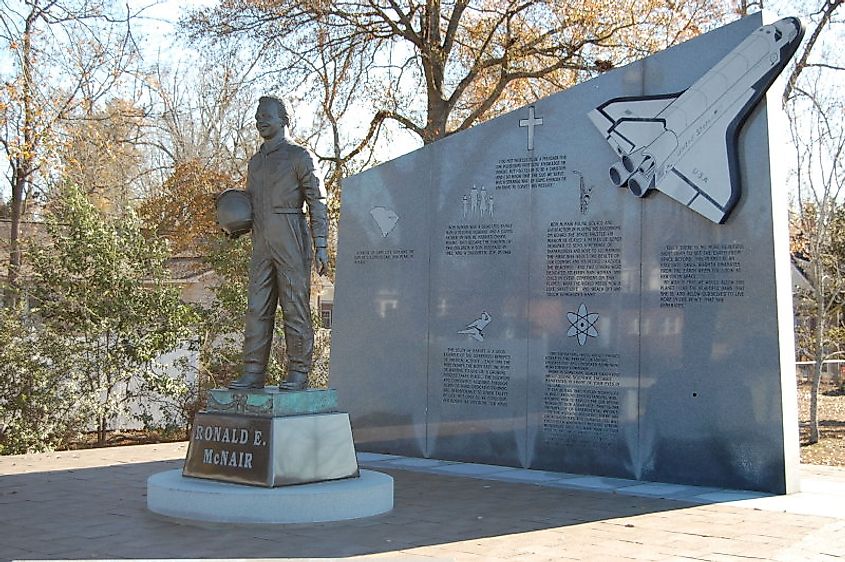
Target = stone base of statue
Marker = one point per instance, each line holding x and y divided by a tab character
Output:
193	499
270	456
271	438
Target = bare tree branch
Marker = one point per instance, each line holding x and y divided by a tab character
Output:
826	10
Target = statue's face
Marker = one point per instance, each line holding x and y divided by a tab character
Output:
268	121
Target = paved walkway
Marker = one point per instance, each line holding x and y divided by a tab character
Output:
91	505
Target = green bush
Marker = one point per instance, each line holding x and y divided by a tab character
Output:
102	311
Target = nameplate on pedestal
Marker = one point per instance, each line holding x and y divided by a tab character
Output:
234	448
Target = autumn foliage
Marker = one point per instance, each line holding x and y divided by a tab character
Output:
183	212
464	60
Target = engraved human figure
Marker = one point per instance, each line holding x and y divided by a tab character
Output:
473	200
475	330
281	180
478	204
482	201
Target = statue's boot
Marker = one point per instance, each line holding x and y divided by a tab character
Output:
249	380
296	380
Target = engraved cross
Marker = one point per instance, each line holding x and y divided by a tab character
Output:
531	122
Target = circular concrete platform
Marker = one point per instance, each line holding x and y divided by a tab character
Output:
171	494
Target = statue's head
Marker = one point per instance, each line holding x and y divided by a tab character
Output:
271	117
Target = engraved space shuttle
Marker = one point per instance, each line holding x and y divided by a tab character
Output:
685	144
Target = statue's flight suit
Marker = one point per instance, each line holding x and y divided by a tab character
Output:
281	178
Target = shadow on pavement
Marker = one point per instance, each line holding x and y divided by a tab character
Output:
101	513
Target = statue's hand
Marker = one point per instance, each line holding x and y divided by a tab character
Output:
322	256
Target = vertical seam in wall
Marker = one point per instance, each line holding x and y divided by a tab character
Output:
429	221
638	469
639	456
524	460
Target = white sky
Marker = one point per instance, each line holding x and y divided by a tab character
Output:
156	29
158	24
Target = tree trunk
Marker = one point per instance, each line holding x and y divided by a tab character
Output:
18	190
438	115
814	403
101	430
433	61
817	369
23	166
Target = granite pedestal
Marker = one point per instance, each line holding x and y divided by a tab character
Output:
172	495
271	438
248	443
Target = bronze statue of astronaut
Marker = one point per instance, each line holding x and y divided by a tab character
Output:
281	180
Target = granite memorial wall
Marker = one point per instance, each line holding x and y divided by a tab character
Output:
499	300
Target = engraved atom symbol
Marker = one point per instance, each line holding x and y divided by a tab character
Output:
583	324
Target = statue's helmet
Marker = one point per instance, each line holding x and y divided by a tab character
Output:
234	212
